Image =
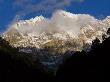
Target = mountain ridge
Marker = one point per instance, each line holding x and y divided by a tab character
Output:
63	32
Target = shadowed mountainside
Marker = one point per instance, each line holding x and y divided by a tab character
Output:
90	66
18	67
81	66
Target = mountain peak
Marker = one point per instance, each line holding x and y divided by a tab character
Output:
62	25
63	32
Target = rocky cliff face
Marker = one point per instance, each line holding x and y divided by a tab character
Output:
49	38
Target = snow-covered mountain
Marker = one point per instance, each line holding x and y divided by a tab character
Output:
63	32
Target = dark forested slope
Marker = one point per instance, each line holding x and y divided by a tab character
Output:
92	66
16	67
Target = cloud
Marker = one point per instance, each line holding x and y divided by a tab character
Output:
32	6
61	21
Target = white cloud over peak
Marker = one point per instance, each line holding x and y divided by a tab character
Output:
61	21
81	28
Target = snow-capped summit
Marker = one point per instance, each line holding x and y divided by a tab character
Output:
63	32
61	26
